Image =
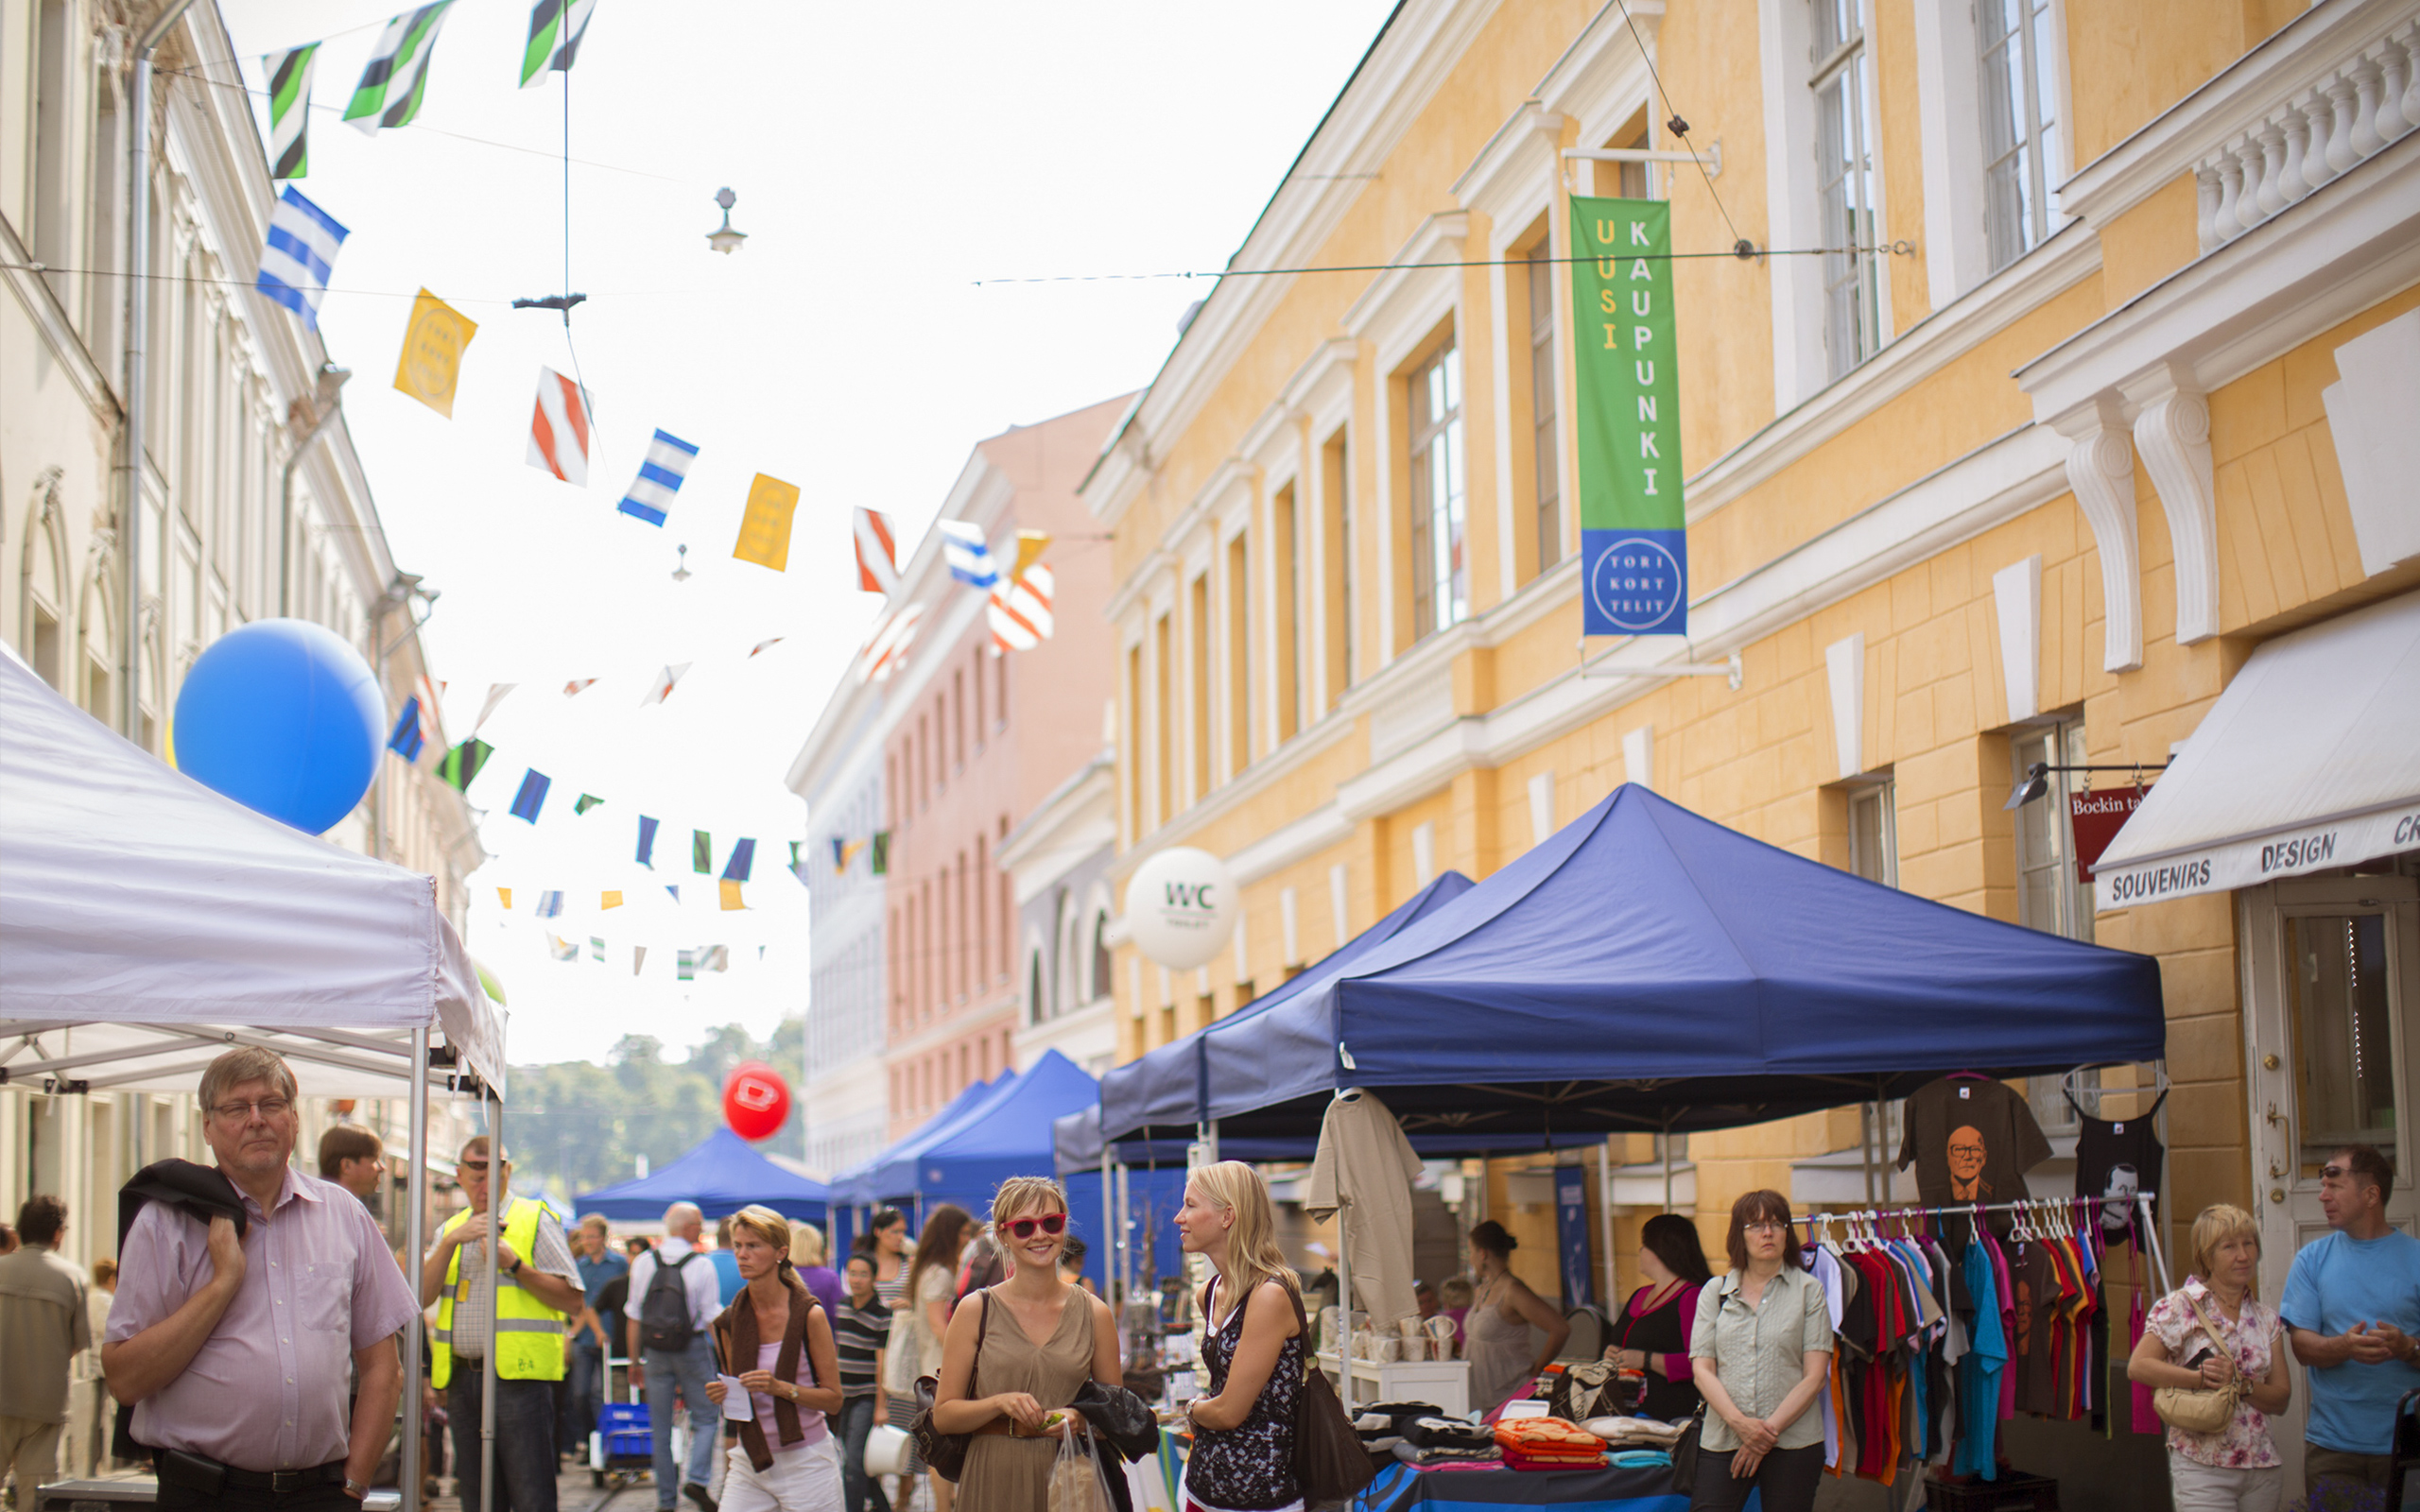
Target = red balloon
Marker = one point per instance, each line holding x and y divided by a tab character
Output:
756	1100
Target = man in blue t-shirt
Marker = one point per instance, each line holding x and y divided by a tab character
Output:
2352	1306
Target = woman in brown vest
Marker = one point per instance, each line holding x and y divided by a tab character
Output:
775	1338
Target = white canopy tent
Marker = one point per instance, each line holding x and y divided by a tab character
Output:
149	924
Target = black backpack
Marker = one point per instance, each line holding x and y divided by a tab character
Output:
664	1313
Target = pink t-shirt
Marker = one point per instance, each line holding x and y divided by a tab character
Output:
768	1355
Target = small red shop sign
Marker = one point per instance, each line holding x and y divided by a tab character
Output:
2096	818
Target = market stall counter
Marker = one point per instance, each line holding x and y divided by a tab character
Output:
1612	1488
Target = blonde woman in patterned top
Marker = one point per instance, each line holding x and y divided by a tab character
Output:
2237	1466
1251	1340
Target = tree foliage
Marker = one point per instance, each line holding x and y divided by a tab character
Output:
574	1126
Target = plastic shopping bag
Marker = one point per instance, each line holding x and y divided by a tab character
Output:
1076	1483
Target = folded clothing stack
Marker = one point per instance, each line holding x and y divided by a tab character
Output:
1548	1444
1635	1432
1450	1459
1380	1425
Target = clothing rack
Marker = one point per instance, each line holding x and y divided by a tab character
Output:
2143	1201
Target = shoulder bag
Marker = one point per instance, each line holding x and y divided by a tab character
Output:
1330	1464
2200	1409
944	1454
1686	1450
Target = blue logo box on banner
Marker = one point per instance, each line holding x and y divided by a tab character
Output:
1636	580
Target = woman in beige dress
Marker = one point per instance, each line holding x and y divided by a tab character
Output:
1041	1339
1503	1311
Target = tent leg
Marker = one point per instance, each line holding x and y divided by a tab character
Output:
1109	1238
415	1240
1605	1218
496	1238
1344	1306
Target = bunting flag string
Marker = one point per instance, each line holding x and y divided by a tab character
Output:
1019	612
431	362
532	796
765	529
968	559
289	110
464	762
295	260
877	550
498	692
661	475
408	735
559	429
556	28
396	75
646	842
584	802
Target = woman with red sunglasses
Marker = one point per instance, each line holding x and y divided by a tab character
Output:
1039	1338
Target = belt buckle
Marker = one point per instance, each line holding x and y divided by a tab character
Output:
281	1482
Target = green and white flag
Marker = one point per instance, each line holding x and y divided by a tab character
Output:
1633	548
397	73
555	29
289	110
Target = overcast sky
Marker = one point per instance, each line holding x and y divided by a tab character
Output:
885	159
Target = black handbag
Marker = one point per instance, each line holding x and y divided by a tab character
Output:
1686	1450
944	1454
1330	1464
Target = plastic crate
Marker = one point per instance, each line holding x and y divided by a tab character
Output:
624	1430
2015	1492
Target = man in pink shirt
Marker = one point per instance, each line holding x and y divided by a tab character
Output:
233	1352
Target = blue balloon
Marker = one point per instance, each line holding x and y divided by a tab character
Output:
282	716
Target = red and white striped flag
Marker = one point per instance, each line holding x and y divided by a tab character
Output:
432	731
877	552
888	648
559	429
1020	611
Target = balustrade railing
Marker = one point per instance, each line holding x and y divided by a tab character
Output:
2358	108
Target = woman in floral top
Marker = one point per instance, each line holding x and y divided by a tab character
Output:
2237	1466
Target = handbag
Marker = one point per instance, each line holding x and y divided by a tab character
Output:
1685	1453
2200	1409
1330	1465
944	1454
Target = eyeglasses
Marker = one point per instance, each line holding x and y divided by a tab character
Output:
265	1107
1049	1223
1764	1226
474	1167
2335	1172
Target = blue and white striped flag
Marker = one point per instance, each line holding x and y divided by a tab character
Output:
668	463
969	558
302	243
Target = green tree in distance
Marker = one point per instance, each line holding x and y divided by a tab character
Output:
574	1126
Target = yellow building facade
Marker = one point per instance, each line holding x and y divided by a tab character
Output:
2026	473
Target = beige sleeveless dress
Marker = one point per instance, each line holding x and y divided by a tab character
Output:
1005	1474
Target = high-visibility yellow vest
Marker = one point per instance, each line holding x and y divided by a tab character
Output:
528	1333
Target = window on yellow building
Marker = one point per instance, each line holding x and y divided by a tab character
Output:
1440	568
1133	764
1335	491
1198	601
1239	654
2020	124
1285	516
1874	833
1163	690
1848	184
1548	465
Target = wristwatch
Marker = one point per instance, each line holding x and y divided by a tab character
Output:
354	1489
513	1269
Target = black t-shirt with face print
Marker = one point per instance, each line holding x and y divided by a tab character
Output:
1971	1140
2114	1160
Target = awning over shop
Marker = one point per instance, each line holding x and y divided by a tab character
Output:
2309	760
1647	969
722	1176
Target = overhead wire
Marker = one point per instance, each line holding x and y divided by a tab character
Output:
1732	252
1681	130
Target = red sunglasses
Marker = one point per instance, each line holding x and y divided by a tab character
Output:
1023	1227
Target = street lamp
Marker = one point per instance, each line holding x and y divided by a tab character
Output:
722	239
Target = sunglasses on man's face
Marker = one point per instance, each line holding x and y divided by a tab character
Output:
1023	1227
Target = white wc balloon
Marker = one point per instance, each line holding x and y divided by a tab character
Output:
1181	907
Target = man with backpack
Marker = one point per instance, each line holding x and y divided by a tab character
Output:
674	1297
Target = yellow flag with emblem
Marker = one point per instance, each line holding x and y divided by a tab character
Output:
765	529
434	340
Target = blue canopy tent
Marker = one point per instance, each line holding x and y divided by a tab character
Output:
857	1183
1645	968
1162	1093
1007	1134
722	1176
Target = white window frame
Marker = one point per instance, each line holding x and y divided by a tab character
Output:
1852	279
1882	865
2035	44
1447	431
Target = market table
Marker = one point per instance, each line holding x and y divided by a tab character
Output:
1615	1488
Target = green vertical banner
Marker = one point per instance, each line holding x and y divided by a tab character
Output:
1635	552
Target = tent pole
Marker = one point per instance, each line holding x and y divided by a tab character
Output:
1109	1238
415	1240
1344	1304
495	1240
1605	1217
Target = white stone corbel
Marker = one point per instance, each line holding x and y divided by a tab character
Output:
2016	601
2172	433
2100	470
1844	674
